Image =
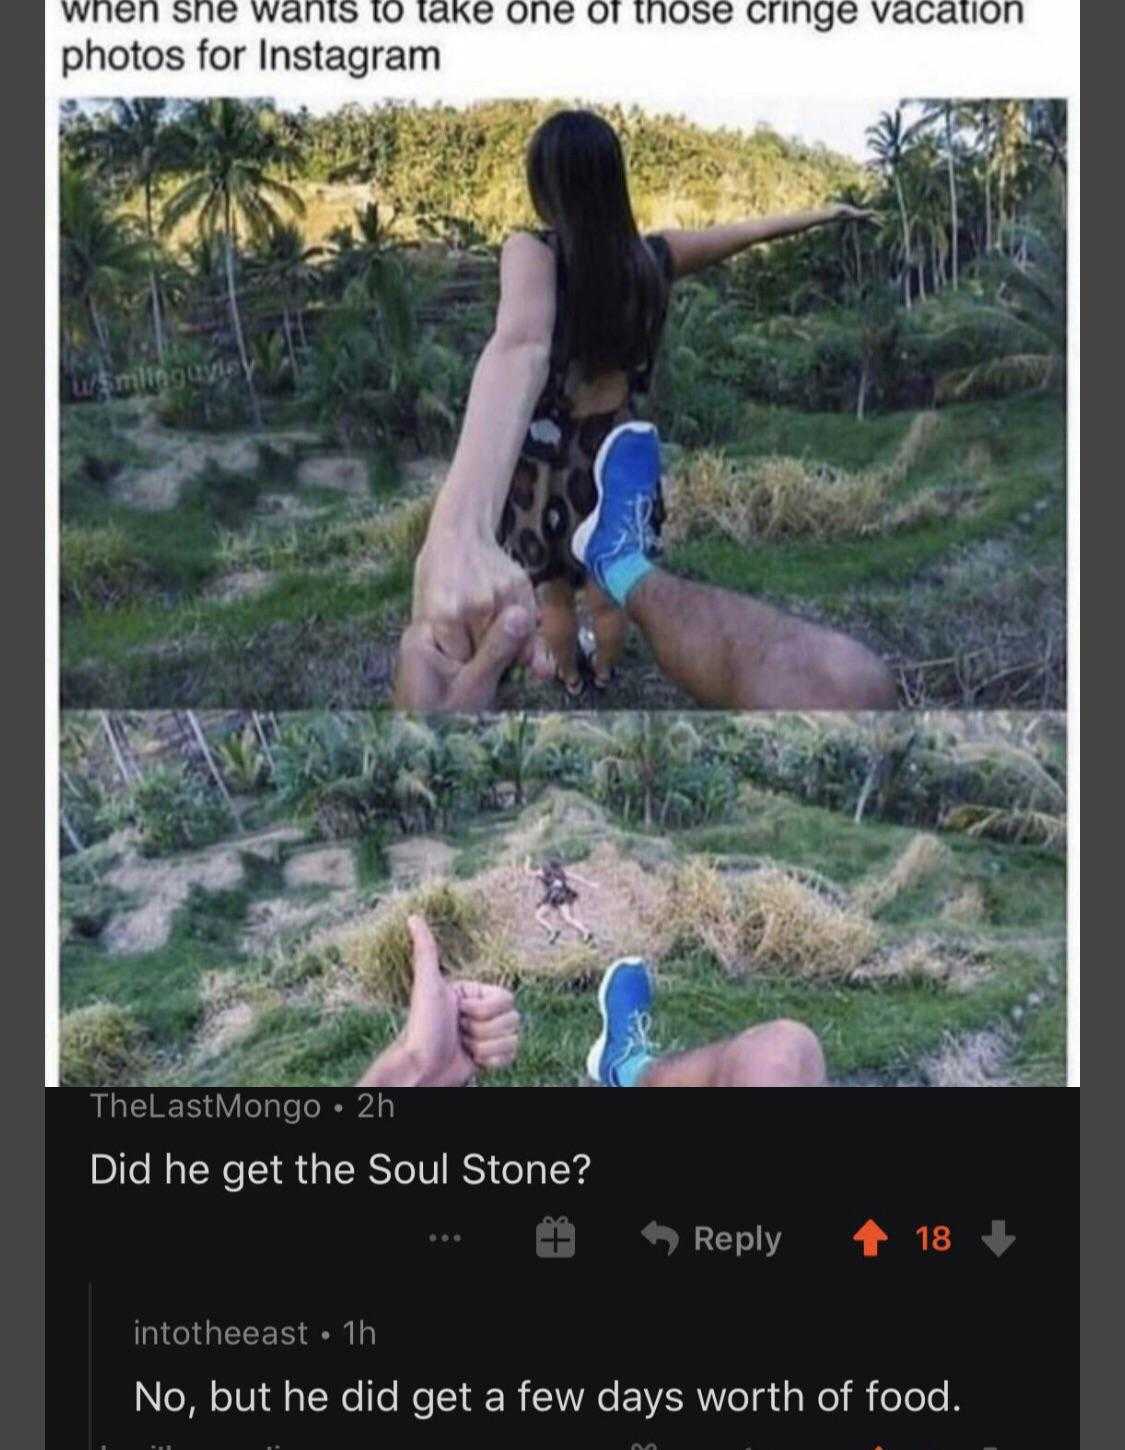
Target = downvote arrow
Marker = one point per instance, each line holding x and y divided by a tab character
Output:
999	1240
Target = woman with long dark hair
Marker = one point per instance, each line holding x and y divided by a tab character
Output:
555	393
558	895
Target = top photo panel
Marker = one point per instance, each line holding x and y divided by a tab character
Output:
524	405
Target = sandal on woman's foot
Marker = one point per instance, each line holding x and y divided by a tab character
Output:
574	688
601	682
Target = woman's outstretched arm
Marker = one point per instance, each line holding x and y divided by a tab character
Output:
692	251
463	579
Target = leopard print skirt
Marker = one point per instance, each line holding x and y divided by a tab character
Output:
552	491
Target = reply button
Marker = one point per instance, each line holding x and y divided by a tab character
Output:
738	1241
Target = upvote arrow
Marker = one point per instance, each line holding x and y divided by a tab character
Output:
870	1236
999	1240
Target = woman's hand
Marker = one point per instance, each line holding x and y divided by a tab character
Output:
463	581
844	213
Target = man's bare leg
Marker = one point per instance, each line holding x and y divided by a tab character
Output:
775	1054
559	624
542	916
730	652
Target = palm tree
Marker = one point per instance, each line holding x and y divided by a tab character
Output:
1011	149
230	185
949	114
931	221
887	139
878	319
633	753
1046	125
137	148
985	114
851	235
1031	300
368	267
928	221
286	263
514	747
99	256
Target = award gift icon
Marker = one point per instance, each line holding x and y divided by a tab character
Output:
554	1238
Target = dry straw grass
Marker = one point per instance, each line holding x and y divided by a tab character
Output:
487	929
997	378
379	953
232	1006
381	540
768	920
977	1059
792	928
393	536
779	497
924	856
700	910
790	498
924	959
774	498
100	1045
918	440
967	907
397	535
934	505
1016	827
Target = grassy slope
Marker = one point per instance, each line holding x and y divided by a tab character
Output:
871	1033
323	634
1025	442
305	638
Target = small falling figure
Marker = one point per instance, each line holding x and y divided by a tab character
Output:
558	896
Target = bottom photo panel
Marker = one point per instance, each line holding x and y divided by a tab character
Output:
631	900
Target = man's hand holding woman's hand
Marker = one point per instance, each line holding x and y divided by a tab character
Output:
474	615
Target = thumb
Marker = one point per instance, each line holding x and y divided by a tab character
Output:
427	965
506	639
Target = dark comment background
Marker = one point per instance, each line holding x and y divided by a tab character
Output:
486	1310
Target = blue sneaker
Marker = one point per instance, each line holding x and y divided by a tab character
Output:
613	542
623	1051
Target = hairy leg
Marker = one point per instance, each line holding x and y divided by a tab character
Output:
774	1054
611	625
559	625
729	652
573	921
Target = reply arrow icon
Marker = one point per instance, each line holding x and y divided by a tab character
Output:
660	1233
870	1236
